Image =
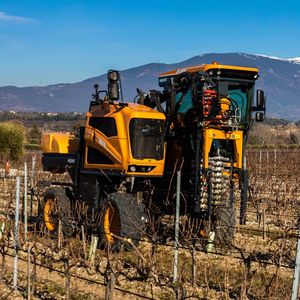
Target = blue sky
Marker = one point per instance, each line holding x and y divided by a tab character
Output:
50	41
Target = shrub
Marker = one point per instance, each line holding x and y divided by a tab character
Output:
254	146
294	146
32	147
282	146
12	140
35	134
34	141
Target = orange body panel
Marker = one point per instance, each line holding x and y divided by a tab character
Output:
62	143
117	148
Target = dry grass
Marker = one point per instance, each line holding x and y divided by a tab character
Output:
258	265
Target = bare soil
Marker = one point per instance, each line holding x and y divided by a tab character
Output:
258	265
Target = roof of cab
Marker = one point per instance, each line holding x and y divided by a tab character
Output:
206	67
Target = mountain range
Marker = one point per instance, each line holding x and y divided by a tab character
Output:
279	78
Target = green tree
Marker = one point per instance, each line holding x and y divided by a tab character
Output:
35	135
12	140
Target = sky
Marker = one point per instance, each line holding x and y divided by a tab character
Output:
49	41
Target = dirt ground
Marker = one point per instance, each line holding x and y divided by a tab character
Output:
257	265
54	283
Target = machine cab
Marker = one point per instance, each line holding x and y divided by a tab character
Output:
220	93
126	138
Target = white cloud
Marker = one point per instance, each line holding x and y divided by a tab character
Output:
16	19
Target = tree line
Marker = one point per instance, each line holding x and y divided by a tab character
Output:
40	116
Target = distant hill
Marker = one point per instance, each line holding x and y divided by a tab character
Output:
279	78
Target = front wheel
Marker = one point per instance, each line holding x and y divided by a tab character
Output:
122	221
56	208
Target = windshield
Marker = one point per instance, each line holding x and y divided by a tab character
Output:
146	138
241	96
185	101
239	93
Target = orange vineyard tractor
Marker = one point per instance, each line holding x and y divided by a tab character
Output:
122	162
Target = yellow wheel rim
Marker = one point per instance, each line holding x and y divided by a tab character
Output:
48	209
112	226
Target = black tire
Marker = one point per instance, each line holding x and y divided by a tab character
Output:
56	206
122	221
224	224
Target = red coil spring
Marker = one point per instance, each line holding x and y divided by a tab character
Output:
207	99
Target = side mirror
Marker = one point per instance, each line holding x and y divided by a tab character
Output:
113	90
113	85
260	117
260	99
113	75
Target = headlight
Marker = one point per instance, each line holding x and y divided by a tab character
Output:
132	168
140	169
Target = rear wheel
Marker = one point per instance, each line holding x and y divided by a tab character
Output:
221	188
57	207
216	232
224	224
122	221
218	228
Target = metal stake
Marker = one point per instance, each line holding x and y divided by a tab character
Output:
264	222
25	200
32	170
296	270
244	192
194	267
33	161
260	161
59	241
175	270
16	231
93	248
28	274
83	241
